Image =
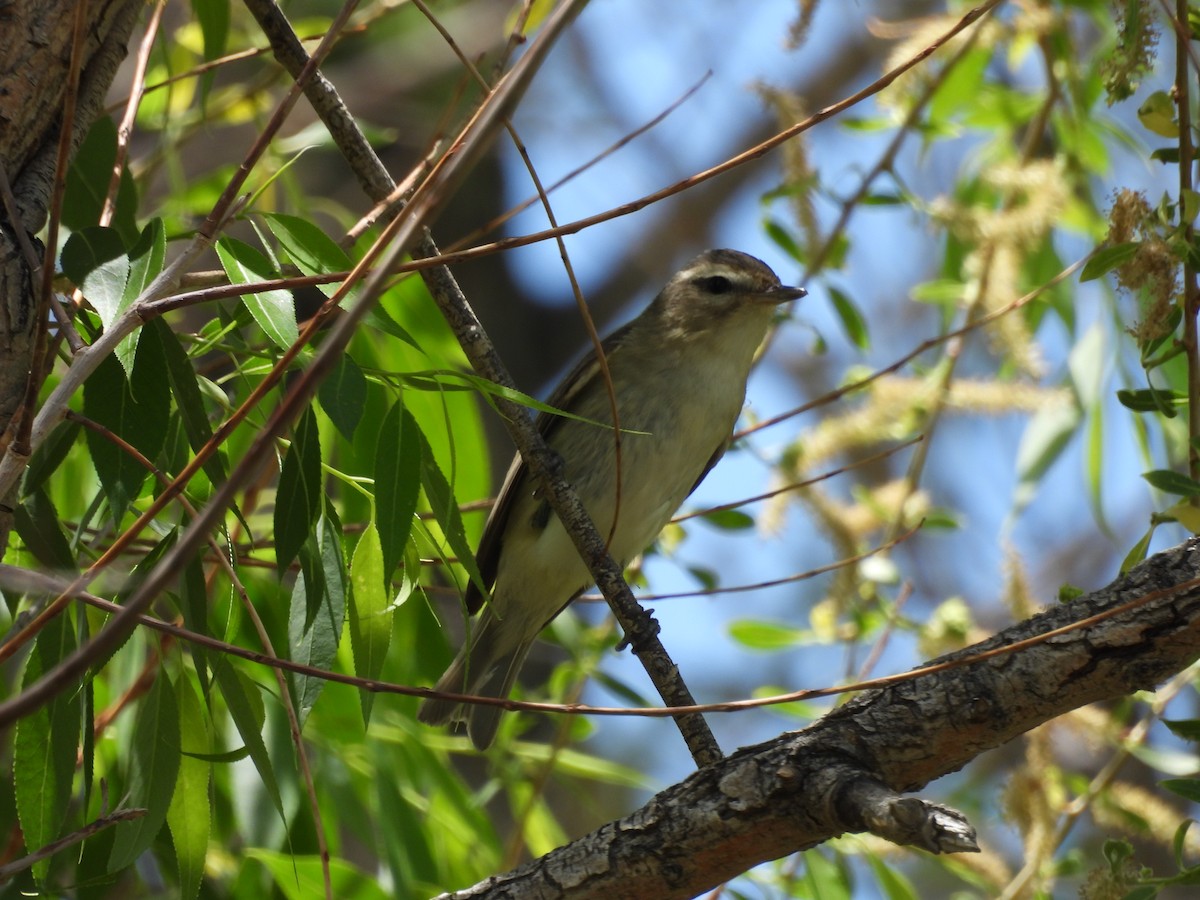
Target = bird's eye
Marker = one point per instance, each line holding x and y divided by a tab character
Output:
715	284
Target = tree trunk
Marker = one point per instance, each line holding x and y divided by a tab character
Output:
35	72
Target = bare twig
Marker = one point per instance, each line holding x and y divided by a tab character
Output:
95	827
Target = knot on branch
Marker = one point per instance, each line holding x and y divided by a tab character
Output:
869	805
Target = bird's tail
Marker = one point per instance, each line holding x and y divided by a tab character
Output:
476	670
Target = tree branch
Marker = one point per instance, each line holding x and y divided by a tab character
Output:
845	772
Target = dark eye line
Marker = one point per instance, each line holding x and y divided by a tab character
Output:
714	284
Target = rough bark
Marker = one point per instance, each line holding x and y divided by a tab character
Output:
845	772
35	61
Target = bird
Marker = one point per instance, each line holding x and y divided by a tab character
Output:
678	373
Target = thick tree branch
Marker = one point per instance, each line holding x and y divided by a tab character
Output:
845	772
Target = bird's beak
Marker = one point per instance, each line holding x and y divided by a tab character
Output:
783	293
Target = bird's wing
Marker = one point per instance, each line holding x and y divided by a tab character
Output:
487	557
712	461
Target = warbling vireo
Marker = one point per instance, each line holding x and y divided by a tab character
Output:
679	375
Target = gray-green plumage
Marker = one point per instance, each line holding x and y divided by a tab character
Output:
679	373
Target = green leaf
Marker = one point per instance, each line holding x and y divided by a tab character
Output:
1116	852
193	603
960	85
301	878
1188	729
944	291
145	263
135	410
314	633
275	311
370	615
1088	363
298	500
1108	258
1153	400
1171	482
1044	440
87	183
894	885
343	395
153	767
1179	843
759	635
445	509
87	249
397	483
95	259
1157	114
213	16
1188	788
729	519
50	455
246	710
40	527
852	320
825	878
188	398
189	815
442	381
381	320
1137	553
44	747
784	240
311	249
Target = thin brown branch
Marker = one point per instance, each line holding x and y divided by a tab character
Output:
789	579
75	837
129	119
608	151
798	485
925	346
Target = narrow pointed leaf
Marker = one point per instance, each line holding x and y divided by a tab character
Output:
185	387
136	410
44	747
275	311
312	250
298	502
144	264
189	816
245	709
397	483
154	765
343	395
40	527
314	634
370	616
445	510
